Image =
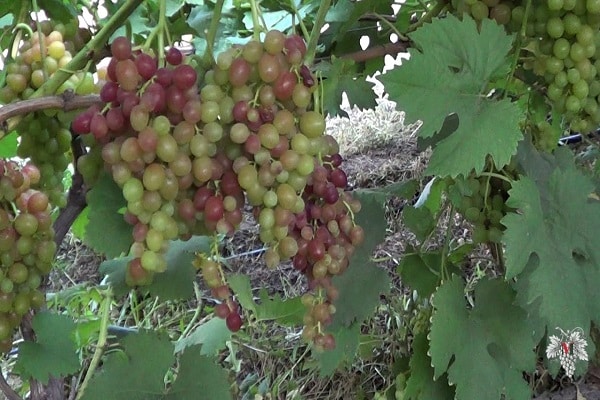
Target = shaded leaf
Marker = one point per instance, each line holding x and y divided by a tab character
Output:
449	76
212	335
346	345
54	353
135	373
107	232
421	385
493	338
199	378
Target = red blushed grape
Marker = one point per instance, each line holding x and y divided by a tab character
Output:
338	178
331	194
148	140
240	110
284	85
108	93
294	42
99	127
175	99
268	68
37	202
154	98
184	76
127	75
252	144
200	197
81	123
174	56
234	321
316	250
115	120
274	41
239	72
222	310
146	65
164	77
121	48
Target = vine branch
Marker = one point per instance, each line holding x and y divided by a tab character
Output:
66	101
7	390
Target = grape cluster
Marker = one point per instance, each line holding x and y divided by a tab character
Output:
481	200
27	246
45	137
421	320
190	151
563	47
498	10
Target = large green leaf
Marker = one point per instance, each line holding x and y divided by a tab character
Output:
199	378
449	76
106	230
421	385
491	342
363	282
346	345
341	76
212	335
54	353
552	247
135	373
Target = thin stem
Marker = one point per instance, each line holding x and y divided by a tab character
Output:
197	313
311	48
7	390
496	175
102	338
522	35
428	16
256	27
300	21
211	35
80	60
385	21
163	26
446	247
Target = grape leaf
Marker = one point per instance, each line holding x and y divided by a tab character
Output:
342	77
419	221
54	353
420	385
107	232
552	246
9	7
177	282
8	145
240	285
288	312
199	378
346	345
492	340
136	373
58	10
449	77
363	282
212	335
417	274
78	227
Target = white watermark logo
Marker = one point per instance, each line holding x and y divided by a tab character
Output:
569	348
